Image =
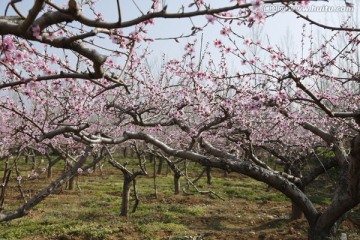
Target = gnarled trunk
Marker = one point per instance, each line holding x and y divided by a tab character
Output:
49	171
346	197
208	175
321	234
177	176
125	202
160	166
296	212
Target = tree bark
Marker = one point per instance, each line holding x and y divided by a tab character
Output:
124	152
296	212
49	171
160	166
177	183
346	196
208	175
125	203
51	163
129	177
5	180
231	163
71	183
317	234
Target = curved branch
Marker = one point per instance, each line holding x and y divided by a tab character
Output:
273	179
34	11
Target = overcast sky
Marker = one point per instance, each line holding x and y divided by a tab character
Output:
282	29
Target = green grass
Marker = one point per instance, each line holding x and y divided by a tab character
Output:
93	211
151	230
250	190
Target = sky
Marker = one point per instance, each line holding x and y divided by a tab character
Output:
283	29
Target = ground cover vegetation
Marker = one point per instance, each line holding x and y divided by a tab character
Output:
92	209
77	90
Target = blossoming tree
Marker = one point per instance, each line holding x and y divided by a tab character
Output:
195	107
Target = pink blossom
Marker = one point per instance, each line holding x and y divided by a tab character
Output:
189	48
199	3
19	56
79	171
110	62
247	42
211	19
32	83
60	33
251	19
54	59
257	3
225	31
149	22
305	2
51	36
33	174
260	16
8	44
217	43
137	36
36	32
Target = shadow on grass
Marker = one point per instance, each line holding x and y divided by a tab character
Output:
274	224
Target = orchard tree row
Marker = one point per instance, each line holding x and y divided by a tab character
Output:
71	78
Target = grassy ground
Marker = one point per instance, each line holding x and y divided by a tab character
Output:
250	210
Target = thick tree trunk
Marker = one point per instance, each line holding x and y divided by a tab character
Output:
71	183
296	212
136	196
33	163
49	171
129	178
160	166
5	180
346	196
125	202
208	175
230	163
51	163
154	177
317	234
177	183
